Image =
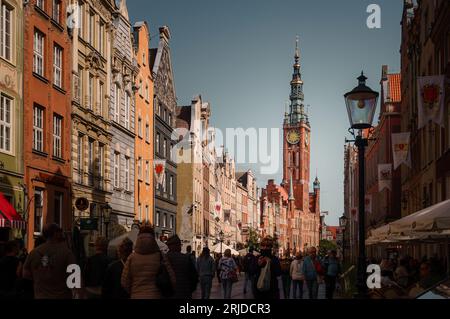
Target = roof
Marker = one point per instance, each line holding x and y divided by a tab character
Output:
184	117
395	93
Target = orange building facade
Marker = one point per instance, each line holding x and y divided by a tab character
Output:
47	122
144	150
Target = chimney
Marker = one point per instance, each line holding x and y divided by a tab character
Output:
384	73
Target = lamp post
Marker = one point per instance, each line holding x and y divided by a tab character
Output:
343	224
221	238
361	104
106	210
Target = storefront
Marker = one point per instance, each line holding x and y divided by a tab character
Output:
12	226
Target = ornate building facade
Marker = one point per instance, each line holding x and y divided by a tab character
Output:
91	125
122	114
11	111
47	116
165	103
144	151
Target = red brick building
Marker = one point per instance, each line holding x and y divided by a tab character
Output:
47	109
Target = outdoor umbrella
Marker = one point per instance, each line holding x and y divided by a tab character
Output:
132	235
220	249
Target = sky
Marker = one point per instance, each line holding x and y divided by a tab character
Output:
239	54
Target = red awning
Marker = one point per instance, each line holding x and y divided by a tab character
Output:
9	218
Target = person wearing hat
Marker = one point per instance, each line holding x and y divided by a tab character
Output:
266	250
206	268
185	272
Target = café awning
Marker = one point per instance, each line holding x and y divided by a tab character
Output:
9	218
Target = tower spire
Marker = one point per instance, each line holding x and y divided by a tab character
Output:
297	53
297	109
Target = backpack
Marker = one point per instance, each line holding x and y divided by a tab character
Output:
264	279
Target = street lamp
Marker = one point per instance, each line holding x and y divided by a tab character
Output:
361	104
106	210
221	238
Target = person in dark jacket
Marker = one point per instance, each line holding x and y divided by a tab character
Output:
273	292
332	267
250	267
185	272
206	268
112	288
10	270
95	269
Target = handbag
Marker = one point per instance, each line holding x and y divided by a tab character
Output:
163	281
264	278
232	275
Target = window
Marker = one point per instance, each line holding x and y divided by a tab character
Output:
157	142
165	115
57	133
147	213
38	129
164	148
80	158
127	110
38	53
40	4
141	87
127	173
116	170
100	98
81	19
147	93
56	12
5	123
164	221
58	208
157	219
57	66
91	157
101	37
143	59
140	212
147	133
6	27
91	92
172	222
91	28
139	167
164	184
170	119
38	210
101	161
171	190
139	127
147	172
117	103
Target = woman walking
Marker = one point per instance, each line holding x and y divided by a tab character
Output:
228	274
206	269
142	266
297	276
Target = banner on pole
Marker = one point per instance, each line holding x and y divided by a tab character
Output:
401	149
384	177
160	171
431	96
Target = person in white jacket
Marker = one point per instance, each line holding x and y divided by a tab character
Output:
297	276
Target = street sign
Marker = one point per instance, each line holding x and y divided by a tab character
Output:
89	223
82	204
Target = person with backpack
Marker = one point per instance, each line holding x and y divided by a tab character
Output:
297	276
312	269
269	269
332	269
250	265
228	273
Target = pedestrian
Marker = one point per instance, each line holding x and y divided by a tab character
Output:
185	270
401	275
142	266
250	265
285	264
206	269
95	269
112	288
10	270
47	265
270	290
228	273
217	260
297	276
332	268
312	270
191	254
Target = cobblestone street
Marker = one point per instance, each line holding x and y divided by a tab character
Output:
238	290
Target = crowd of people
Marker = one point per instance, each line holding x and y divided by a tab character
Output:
410	276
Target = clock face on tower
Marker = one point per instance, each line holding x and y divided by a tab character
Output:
293	137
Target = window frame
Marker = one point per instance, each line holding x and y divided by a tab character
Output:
38	128
40	192
39	53
127	167
57	136
4	124
127	116
4	45
117	97
58	55
56	4
116	170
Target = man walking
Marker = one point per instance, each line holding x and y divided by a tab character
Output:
311	270
250	267
332	271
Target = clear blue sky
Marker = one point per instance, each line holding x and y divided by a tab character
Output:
239	55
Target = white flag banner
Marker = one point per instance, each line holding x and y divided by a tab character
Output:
401	149
368	204
160	171
431	98
384	176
